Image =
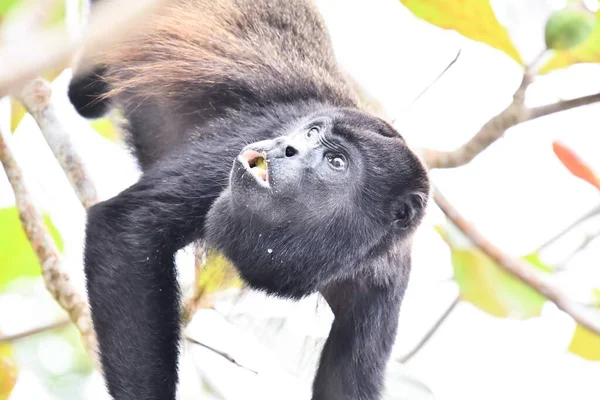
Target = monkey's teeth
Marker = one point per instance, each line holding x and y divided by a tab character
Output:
260	173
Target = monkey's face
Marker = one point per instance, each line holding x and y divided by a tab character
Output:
308	171
315	203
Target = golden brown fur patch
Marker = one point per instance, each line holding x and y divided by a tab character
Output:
216	42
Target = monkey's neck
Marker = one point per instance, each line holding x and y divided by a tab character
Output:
359	345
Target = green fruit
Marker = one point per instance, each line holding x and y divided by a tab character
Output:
567	28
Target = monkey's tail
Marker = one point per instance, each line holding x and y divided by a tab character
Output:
88	93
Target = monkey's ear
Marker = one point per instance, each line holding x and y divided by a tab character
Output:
407	208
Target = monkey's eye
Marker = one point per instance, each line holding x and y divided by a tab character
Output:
313	132
337	162
402	213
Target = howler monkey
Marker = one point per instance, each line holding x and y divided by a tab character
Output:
249	137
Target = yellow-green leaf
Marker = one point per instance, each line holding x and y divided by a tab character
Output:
587	51
17	112
106	128
586	343
17	257
488	286
6	6
217	274
8	371
474	19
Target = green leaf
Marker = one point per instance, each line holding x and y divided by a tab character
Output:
488	286
587	51
474	19
17	257
568	27
106	128
217	274
6	6
586	343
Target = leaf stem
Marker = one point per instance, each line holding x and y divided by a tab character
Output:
520	269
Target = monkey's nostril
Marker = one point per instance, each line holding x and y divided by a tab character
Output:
290	151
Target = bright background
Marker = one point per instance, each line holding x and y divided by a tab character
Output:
517	194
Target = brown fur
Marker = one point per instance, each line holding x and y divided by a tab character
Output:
213	42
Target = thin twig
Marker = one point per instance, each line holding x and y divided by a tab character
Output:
589	214
520	269
56	280
35	331
563	105
406	357
562	265
223	354
36	98
436	79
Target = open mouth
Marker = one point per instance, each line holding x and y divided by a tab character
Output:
256	164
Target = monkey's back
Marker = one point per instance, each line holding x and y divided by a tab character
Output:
198	59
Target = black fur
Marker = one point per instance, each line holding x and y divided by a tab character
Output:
345	232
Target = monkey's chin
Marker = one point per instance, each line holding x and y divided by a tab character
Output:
282	289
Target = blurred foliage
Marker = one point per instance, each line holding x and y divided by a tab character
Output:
217	274
8	371
575	164
5	7
57	358
486	285
17	257
573	33
474	19
53	17
586	343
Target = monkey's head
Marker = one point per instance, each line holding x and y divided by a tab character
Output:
336	191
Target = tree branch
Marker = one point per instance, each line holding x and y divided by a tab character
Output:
57	281
491	131
36	98
516	113
564	105
520	269
35	331
109	22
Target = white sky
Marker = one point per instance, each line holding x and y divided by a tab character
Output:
517	192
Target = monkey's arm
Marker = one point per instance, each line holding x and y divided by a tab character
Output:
355	355
131	279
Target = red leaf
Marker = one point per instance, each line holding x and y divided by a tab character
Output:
575	164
